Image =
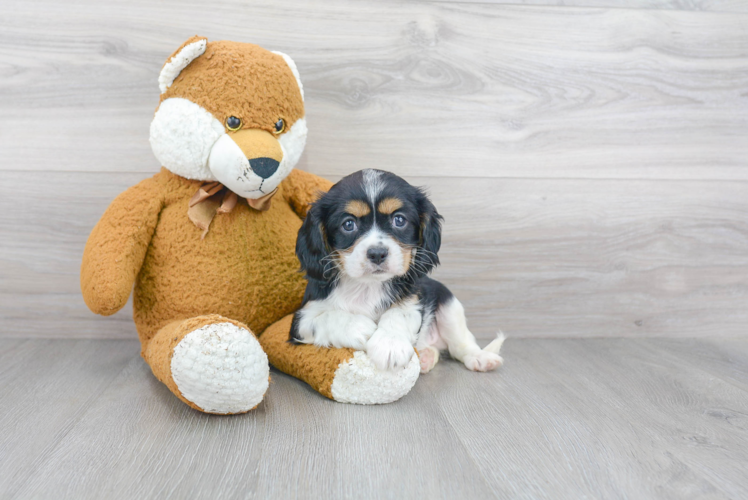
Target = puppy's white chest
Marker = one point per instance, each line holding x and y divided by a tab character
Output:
356	297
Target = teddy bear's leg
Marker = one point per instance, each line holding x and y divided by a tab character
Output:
212	363
344	375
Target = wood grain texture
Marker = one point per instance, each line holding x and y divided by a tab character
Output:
45	389
614	418
603	418
693	5
48	218
619	258
150	445
590	161
534	258
437	89
396	460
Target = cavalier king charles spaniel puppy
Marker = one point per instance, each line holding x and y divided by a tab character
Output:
366	248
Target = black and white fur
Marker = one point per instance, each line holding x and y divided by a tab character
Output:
366	248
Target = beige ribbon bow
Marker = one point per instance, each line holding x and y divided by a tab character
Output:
214	198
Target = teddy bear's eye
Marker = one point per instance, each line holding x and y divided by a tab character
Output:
233	123
280	126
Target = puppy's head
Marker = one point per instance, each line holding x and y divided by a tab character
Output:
371	225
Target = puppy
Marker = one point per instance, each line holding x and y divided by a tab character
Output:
366	248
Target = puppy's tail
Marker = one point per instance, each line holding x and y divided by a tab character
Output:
495	345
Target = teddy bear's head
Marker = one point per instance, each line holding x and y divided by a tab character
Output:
230	112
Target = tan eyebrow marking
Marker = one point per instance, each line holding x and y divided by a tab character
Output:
358	208
389	205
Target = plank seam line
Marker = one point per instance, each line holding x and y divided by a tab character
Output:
465	448
675	357
477	177
550	6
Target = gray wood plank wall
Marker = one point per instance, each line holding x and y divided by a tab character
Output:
589	157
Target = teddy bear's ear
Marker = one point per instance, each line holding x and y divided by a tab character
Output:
180	59
294	70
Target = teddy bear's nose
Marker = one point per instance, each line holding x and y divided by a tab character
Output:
264	167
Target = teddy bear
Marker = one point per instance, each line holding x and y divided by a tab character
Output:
208	243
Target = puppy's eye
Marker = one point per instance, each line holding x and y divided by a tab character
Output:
233	123
349	226
279	126
399	221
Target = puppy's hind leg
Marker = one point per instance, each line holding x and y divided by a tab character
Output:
452	327
428	357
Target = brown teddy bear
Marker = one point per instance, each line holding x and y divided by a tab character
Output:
208	242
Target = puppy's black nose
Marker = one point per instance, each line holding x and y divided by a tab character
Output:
377	254
264	167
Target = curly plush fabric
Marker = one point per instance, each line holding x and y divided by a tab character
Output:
273	93
202	293
245	268
344	375
314	365
200	363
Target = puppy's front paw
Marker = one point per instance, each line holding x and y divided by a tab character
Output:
345	330
360	330
389	352
483	361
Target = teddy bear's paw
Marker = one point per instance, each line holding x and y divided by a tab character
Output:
359	381
221	368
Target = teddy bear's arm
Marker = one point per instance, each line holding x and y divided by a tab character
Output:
117	245
301	188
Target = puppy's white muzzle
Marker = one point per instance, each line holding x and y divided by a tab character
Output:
377	256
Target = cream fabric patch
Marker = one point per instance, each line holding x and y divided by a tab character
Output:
221	368
294	70
182	137
358	381
180	61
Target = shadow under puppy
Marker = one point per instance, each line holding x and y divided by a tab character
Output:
366	247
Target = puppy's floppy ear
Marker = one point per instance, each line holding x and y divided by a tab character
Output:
430	235
311	244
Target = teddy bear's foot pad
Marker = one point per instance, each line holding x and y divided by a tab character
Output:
358	381
221	368
343	375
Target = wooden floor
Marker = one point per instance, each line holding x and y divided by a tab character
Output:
585	418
